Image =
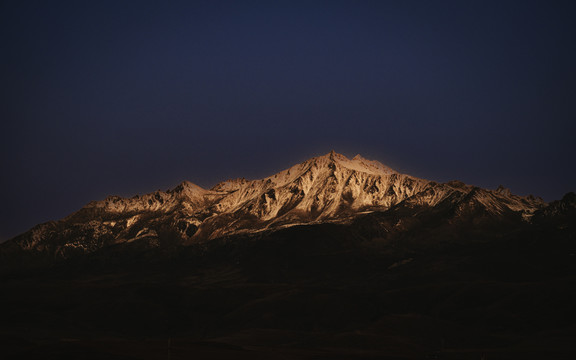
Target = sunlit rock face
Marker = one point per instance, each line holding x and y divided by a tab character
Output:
328	188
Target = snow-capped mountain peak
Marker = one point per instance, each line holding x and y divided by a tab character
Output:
189	188
330	187
359	163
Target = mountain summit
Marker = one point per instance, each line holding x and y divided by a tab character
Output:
328	188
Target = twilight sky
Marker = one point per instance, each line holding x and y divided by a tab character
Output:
123	97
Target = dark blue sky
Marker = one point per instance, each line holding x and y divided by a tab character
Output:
126	97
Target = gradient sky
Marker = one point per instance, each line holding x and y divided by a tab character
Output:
124	97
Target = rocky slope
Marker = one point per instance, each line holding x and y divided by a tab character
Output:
329	188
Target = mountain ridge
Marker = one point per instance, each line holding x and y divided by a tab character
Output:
327	188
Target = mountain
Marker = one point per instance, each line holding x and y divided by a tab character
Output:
333	258
328	188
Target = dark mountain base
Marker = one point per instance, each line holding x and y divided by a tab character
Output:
370	290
